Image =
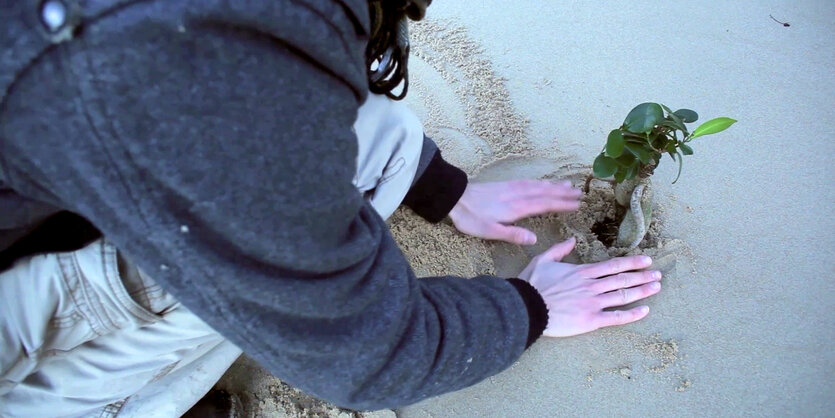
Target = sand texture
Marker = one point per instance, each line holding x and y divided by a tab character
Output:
744	325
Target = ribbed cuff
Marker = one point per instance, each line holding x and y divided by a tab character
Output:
63	231
537	311
437	191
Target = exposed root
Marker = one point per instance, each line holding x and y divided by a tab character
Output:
638	215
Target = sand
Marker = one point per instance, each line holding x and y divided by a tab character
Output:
744	324
262	395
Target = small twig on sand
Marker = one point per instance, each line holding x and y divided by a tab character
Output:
786	24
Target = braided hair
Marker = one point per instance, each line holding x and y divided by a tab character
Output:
387	53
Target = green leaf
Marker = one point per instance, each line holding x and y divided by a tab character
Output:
643	117
614	144
685	149
680	164
687	115
674	125
660	141
712	126
604	166
639	152
632	171
626	160
673	121
620	175
636	141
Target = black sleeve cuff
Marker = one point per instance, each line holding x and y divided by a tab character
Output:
437	191
537	311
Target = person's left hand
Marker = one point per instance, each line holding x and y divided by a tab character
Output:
486	209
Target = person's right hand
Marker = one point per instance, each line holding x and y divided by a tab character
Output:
576	295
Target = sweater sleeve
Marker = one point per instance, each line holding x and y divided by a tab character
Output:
427	152
437	186
213	144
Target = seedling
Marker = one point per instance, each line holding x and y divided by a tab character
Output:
632	153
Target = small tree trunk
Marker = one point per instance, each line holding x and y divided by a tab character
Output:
623	191
636	196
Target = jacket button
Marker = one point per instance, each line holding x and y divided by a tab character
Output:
54	15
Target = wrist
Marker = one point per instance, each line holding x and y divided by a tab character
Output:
459	210
536	307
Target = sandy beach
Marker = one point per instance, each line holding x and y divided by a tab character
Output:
744	325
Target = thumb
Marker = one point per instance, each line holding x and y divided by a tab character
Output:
512	234
560	250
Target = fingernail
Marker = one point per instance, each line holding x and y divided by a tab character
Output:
655	286
656	275
530	239
646	260
644	309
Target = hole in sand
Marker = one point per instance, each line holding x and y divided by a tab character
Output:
606	231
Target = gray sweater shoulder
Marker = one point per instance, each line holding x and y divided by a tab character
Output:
234	119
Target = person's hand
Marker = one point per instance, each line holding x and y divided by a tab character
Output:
576	295
486	209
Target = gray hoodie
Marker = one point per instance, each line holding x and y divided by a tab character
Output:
233	118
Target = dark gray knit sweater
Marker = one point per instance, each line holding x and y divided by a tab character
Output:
233	119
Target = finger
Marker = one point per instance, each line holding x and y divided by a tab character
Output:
558	251
544	188
565	188
538	206
622	297
615	266
612	318
511	234
625	280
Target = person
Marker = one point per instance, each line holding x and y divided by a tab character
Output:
181	181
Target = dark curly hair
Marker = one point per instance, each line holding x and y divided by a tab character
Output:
387	53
